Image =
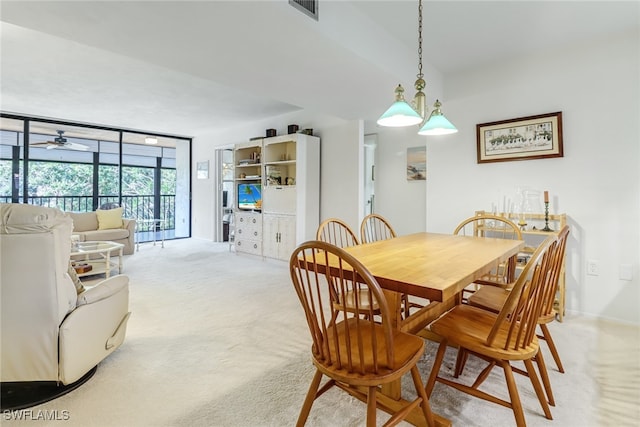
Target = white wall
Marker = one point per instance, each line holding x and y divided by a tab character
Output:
402	202
341	173
597	183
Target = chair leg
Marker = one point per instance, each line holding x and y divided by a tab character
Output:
542	367
538	388
308	401
426	407
461	361
552	346
516	405
371	407
436	367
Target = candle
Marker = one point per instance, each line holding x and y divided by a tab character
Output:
546	197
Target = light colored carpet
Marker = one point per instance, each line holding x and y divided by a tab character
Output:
219	339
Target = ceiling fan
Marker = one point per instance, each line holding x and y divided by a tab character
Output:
61	141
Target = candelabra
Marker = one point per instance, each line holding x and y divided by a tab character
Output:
546	217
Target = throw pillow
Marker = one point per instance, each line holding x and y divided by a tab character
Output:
75	278
110	218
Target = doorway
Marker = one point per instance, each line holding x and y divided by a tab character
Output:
369	155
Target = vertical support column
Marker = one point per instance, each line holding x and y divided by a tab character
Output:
157	188
15	173
96	190
25	163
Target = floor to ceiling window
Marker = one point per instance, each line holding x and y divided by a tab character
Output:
83	168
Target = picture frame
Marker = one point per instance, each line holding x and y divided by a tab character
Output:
523	138
202	170
417	163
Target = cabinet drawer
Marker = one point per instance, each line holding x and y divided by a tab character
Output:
252	233
249	246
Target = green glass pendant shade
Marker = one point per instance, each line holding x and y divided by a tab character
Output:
400	113
437	123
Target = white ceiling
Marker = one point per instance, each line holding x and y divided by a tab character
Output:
186	68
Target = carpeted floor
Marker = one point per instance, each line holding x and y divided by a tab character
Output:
219	339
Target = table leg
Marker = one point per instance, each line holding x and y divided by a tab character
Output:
153	226
107	267
393	390
120	261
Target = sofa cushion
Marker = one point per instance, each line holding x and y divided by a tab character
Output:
84	221
109	218
104	235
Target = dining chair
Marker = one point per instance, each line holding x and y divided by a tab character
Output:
337	232
489	225
500	338
492	299
357	353
375	227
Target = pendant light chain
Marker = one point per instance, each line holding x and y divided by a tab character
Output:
420	75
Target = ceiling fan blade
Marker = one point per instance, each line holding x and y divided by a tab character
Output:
76	146
42	143
51	146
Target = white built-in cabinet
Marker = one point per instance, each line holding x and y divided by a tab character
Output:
279	233
248	233
288	169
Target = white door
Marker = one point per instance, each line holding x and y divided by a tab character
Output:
270	236
287	236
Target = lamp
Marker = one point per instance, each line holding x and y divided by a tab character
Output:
437	123
151	140
402	114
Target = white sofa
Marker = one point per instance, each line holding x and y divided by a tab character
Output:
86	226
49	331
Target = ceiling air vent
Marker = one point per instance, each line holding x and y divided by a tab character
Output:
309	7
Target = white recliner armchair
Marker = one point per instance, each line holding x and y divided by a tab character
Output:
49	331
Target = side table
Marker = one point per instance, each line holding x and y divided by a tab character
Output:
82	251
150	222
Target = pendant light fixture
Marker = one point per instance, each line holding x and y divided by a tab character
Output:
437	123
402	114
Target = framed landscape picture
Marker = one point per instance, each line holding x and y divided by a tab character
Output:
417	163
524	138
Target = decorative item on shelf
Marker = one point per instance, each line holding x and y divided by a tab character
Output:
274	175
546	212
292	129
271	132
243	175
290	180
307	132
82	267
530	206
402	114
522	221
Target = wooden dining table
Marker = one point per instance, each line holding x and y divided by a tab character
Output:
432	266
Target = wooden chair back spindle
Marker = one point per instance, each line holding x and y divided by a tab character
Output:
374	227
336	232
524	303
